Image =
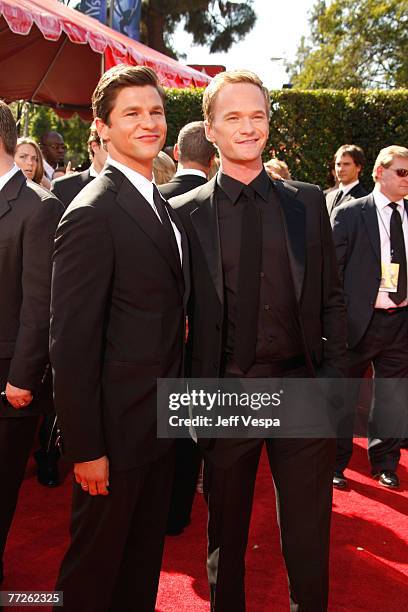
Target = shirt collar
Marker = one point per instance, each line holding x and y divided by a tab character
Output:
4	179
48	169
347	188
191	171
92	171
233	188
381	201
139	181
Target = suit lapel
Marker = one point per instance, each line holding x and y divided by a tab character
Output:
135	205
11	191
370	220
205	222
295	231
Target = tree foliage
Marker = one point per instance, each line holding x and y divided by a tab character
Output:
354	43
216	24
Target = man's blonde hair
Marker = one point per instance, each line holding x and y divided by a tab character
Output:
229	78
386	156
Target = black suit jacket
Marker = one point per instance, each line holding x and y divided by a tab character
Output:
357	240
314	277
117	322
29	216
66	188
181	184
358	191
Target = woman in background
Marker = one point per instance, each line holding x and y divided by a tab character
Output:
29	158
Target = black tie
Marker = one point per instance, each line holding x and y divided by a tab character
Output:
165	219
337	199
398	254
246	327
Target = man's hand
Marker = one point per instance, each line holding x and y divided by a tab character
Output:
18	398
93	476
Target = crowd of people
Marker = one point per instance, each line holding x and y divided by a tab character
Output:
199	261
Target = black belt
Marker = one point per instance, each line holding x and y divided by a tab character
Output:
391	311
267	370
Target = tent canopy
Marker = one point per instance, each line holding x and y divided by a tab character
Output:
51	54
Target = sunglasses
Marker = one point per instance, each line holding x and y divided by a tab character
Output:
401	172
55	147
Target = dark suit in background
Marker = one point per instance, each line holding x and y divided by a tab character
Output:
188	455
332	199
29	216
301	468
181	183
117	324
67	187
374	335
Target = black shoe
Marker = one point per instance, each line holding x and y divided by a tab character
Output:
339	480
387	478
47	470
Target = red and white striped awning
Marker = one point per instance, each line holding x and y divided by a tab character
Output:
51	54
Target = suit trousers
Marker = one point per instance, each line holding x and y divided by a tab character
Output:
16	440
114	559
302	473
385	347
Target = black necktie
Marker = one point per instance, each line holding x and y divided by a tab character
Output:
398	254
165	219
337	199
246	324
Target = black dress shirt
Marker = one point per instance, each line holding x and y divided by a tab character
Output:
279	334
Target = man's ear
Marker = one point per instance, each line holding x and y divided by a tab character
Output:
176	152
208	131
102	128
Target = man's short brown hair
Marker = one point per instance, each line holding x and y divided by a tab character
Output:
193	145
8	129
355	152
118	78
228	78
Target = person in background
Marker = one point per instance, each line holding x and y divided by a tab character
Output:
68	186
277	168
349	162
194	155
29	216
164	168
371	239
29	158
53	149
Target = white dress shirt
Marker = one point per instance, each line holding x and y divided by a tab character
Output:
190	171
384	213
145	188
48	170
6	177
346	188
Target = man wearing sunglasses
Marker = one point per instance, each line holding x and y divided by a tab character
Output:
371	239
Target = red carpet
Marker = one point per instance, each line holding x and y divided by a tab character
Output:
369	561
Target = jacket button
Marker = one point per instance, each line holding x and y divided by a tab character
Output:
217	327
267	307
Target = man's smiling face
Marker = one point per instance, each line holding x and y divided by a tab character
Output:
240	124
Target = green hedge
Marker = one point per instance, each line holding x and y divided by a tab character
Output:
306	126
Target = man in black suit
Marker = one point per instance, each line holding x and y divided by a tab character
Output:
120	277
194	154
67	187
265	292
371	237
29	216
348	164
53	149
